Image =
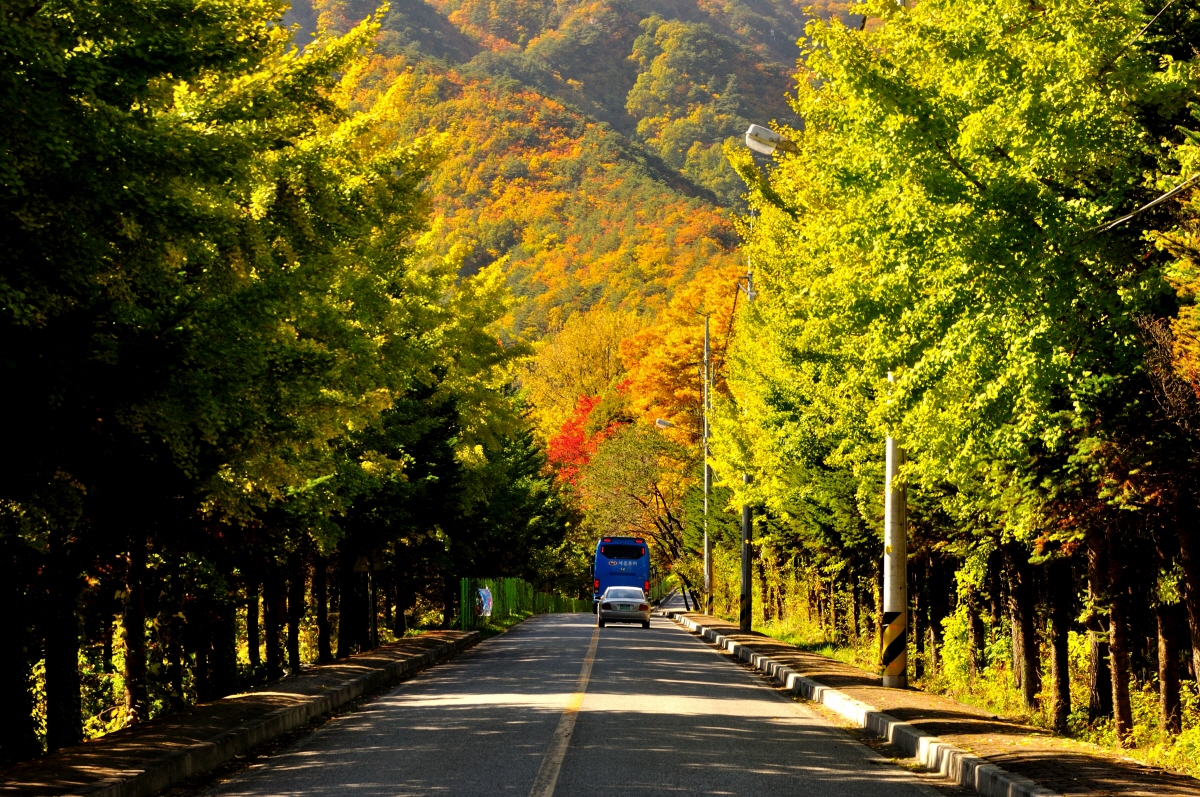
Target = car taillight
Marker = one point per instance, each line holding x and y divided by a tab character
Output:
606	606
643	608
646	588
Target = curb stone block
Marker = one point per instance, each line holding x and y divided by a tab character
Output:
956	764
207	756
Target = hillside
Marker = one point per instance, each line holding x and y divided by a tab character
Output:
585	139
582	217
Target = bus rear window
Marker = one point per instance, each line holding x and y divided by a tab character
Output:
617	551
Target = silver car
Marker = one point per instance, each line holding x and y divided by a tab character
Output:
623	605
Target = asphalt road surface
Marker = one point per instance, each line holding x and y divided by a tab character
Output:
658	712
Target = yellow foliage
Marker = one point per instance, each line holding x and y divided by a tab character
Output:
664	360
582	358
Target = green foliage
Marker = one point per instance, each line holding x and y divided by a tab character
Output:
688	98
241	351
937	263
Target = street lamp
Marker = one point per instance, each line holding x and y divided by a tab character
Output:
745	612
663	424
765	141
706	399
895	512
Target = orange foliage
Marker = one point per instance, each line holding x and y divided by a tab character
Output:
581	217
663	361
573	448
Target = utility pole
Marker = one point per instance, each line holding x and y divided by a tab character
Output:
895	570
747	524
747	552
708	579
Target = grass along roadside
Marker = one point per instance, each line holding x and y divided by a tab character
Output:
992	689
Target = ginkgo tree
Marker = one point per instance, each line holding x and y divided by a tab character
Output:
967	211
237	351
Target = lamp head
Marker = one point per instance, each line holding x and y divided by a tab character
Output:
765	141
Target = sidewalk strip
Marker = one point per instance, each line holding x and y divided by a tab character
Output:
547	776
960	766
146	759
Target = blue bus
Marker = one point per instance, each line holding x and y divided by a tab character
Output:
620	562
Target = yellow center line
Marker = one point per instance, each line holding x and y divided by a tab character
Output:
547	776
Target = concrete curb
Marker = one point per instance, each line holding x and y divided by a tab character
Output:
966	769
207	756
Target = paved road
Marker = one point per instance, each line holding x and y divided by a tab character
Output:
662	713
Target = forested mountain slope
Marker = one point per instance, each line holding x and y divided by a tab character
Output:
580	214
582	140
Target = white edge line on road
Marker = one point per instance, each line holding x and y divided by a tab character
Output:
547	776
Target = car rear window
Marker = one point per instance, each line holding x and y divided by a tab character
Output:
616	550
626	594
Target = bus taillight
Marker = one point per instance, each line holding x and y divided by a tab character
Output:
596	585
646	588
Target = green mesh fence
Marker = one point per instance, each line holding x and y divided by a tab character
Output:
659	588
511	597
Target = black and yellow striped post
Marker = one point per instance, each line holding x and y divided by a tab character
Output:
895	572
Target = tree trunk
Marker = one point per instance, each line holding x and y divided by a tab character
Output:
764	594
18	741
373	606
200	636
253	641
351	610
1022	604
320	590
978	649
137	697
274	617
835	622
449	599
1062	592
223	659
106	641
1189	561
1018	653
295	610
996	588
941	588
64	715
1099	677
389	604
919	581
1118	642
404	600
175	696
1168	670
855	610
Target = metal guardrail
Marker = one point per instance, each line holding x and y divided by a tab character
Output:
510	597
